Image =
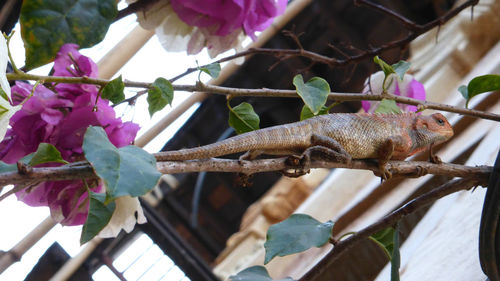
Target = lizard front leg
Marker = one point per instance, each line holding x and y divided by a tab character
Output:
433	157
385	153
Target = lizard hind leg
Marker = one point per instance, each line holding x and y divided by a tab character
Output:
322	146
328	147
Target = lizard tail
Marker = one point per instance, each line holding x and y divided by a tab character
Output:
232	145
277	137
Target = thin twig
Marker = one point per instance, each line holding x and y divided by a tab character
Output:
135	7
377	7
342	246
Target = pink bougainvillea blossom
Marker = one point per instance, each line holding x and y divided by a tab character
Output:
228	16
69	62
218	25
408	87
60	116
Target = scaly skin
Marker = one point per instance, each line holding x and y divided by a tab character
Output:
361	136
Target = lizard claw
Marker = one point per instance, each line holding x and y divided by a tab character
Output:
296	166
294	160
294	173
421	171
433	158
384	173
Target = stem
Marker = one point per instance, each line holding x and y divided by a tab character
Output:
72	80
32	91
14	67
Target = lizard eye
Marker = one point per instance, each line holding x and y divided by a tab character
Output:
440	121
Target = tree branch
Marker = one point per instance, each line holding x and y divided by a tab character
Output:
81	170
337	97
342	246
234	92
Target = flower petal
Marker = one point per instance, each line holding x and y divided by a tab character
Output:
124	217
4	57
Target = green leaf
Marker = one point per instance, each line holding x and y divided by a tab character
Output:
46	153
4	167
384	239
3	110
3	94
113	91
306	113
160	94
463	90
212	69
46	25
388	106
296	234
128	170
400	68
482	84
387	69
98	217
254	273
388	240
314	93
243	118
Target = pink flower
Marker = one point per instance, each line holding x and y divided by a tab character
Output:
408	87
67	200
69	62
229	15
218	25
61	118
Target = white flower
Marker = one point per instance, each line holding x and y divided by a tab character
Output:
124	217
6	109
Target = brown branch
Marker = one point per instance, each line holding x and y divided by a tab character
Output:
67	172
338	97
72	80
201	87
342	246
397	168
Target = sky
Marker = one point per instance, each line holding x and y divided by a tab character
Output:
152	61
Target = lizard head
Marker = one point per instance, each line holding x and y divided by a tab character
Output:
433	128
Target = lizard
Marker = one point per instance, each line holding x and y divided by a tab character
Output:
341	136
